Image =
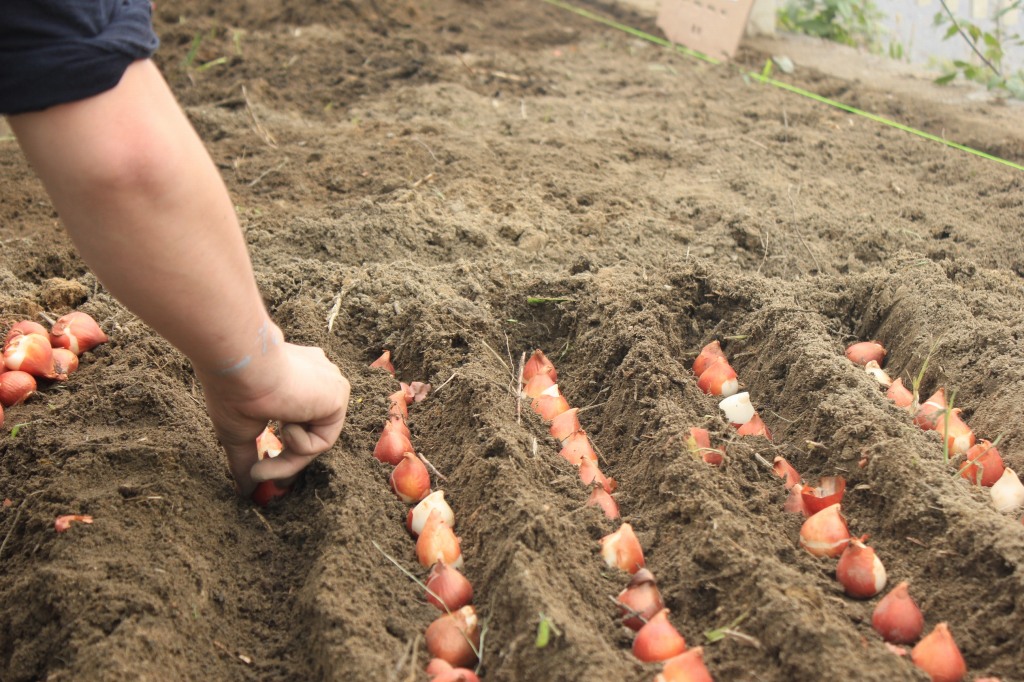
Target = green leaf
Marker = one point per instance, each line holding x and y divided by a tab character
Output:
945	78
950	32
991	40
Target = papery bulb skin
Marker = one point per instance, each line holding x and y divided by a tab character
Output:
577	448
641	600
268	445
539	364
938	655
397	423
959	437
565	425
26	327
590	474
410	479
600	497
16	387
878	374
737	408
784	470
437	542
707	355
719	379
864	352
755	427
391	446
900	395
550	403
418	515
450	589
78	332
454	637
931	411
825	534
30	353
1008	492
537	385
860	571
658	640
622	550
984	465
897	618
398	405
830	491
686	667
384	363
64	363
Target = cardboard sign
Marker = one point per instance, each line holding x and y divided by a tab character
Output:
713	27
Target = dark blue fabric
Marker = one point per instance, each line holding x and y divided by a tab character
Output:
58	51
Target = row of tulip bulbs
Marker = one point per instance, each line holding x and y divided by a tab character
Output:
643	611
982	464
453	638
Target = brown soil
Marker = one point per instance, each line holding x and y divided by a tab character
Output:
430	166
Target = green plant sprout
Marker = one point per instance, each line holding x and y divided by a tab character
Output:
718	634
544	629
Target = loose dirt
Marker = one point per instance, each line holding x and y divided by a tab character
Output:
427	167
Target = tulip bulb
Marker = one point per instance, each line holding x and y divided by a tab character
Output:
658	640
784	470
410	479
391	446
699	445
438	542
566	424
737	408
755	427
931	411
417	516
30	353
577	448
537	385
268	491
64	363
398	405
825	533
864	352
686	667
830	491
878	373
26	327
900	394
397	423
938	655
860	571
539	364
550	403
440	670
447	589
384	363
959	437
15	387
1008	492
455	637
600	497
719	379
983	467
590	474
77	332
641	600
62	523
622	550
795	501
897	618
268	444
707	355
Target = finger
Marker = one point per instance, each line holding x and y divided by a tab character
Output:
285	465
240	458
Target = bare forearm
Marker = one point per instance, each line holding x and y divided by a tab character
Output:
149	213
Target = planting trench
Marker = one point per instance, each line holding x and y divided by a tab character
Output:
473	157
